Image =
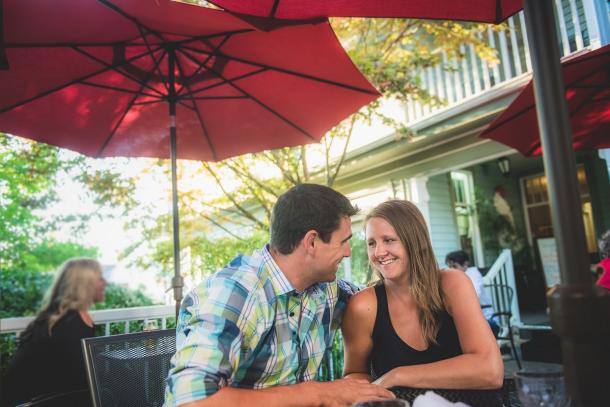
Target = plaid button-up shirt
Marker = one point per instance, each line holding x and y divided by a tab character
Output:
247	327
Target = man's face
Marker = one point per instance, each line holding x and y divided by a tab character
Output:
329	255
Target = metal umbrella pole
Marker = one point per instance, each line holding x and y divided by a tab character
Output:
580	310
177	280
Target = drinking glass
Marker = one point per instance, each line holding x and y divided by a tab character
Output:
541	388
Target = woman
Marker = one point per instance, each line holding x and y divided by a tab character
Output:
420	326
49	358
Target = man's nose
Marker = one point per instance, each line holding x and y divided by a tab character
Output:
348	250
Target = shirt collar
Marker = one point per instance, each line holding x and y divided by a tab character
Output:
279	282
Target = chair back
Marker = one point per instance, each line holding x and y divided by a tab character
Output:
130	369
501	300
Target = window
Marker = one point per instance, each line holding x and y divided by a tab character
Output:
538	210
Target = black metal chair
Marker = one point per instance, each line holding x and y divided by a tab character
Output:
130	369
502	299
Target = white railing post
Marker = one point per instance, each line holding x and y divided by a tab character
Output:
576	22
503	272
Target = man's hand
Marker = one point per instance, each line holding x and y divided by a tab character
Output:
345	392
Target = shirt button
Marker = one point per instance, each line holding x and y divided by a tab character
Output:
292	314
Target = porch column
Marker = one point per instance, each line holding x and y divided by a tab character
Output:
418	194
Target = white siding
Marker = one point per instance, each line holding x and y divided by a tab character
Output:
443	229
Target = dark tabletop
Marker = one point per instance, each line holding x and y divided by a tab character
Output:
504	397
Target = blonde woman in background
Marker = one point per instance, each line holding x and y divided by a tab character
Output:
419	326
49	358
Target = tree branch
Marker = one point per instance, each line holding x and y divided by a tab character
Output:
231	197
344	153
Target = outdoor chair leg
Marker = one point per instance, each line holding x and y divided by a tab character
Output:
513	348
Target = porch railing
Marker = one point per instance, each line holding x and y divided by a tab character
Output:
579	27
503	272
122	316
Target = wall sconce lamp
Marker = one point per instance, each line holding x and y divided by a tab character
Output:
504	166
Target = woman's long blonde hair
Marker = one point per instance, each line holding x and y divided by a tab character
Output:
73	288
424	274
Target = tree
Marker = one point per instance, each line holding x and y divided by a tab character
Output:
29	174
391	53
27	171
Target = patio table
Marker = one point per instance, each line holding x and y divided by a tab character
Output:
503	397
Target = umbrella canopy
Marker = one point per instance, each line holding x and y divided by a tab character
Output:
486	11
94	77
587	84
165	79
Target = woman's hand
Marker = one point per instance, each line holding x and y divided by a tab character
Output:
387	380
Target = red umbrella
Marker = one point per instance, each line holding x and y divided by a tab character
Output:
587	84
486	11
108	77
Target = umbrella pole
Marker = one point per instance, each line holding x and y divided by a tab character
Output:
177	280
579	309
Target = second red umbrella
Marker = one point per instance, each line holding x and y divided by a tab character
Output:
587	84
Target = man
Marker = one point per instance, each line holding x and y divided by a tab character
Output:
459	260
255	332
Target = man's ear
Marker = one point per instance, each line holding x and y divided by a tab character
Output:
309	240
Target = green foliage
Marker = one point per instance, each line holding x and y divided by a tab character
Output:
492	224
21	292
27	173
118	296
205	255
50	254
498	233
361	269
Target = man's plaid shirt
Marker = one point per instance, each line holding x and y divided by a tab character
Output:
243	327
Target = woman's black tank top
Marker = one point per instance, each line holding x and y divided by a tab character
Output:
389	351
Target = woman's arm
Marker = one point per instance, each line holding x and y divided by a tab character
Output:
479	367
357	330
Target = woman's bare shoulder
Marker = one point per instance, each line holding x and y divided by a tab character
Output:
453	278
364	302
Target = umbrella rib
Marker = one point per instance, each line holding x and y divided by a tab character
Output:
151	52
259	102
288	71
203	64
224	82
97	85
276	3
116	126
216	97
149	102
135	21
115	67
128	107
52	90
199	117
